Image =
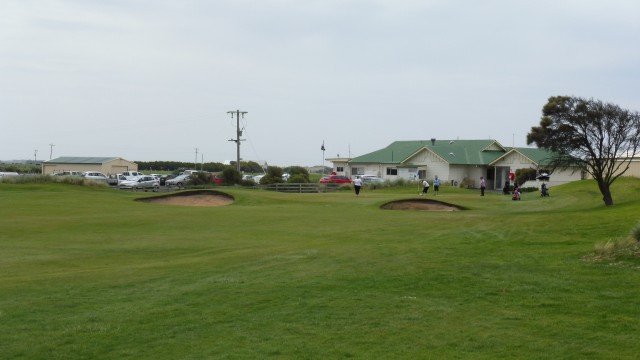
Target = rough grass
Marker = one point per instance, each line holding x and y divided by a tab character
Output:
47	179
635	233
89	273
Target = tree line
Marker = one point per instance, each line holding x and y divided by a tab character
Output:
176	166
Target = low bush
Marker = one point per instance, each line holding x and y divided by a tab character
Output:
612	247
529	189
635	233
619	251
45	179
298	179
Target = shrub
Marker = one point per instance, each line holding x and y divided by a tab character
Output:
274	175
298	174
200	178
298	178
230	176
249	182
529	189
467	183
635	233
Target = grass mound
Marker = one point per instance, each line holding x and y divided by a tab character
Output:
421	204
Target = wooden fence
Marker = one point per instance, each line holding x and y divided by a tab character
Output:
300	187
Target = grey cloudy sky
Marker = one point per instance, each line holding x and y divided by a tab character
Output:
153	79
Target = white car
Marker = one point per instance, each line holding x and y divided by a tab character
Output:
94	175
68	173
132	175
371	179
143	182
189	172
257	179
114	179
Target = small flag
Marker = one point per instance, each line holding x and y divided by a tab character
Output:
322	147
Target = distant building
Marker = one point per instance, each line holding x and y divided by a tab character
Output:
105	165
633	170
457	162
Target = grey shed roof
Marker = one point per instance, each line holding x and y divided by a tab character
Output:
80	160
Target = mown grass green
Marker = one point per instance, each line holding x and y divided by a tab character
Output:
90	273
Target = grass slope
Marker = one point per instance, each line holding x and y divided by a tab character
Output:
89	273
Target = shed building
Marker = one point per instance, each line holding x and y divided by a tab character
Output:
105	165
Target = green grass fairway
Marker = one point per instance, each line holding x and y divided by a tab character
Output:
89	273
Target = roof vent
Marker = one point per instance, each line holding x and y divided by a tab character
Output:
433	141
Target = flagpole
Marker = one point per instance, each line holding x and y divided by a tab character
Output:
322	148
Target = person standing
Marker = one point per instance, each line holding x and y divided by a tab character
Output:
483	185
436	186
425	187
357	184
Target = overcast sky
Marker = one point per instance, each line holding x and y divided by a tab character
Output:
154	79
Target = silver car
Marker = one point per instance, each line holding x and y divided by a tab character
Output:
94	175
179	181
144	182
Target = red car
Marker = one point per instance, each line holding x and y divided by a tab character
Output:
217	179
336	179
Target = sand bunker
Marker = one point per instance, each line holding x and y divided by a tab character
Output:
420	204
192	198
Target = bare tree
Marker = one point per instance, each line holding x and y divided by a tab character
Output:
602	138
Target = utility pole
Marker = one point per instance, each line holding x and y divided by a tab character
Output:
51	152
238	113
195	163
35	156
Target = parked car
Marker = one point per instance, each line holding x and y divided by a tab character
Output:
132	175
115	179
164	178
10	173
217	179
179	181
69	173
189	172
145	182
371	179
256	179
336	179
95	176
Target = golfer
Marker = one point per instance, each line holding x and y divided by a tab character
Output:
357	184
425	187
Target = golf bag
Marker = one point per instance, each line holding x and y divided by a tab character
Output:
543	190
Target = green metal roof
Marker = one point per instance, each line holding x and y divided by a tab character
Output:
539	156
455	152
81	160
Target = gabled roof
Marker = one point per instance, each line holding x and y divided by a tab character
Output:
81	160
395	153
455	152
537	156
